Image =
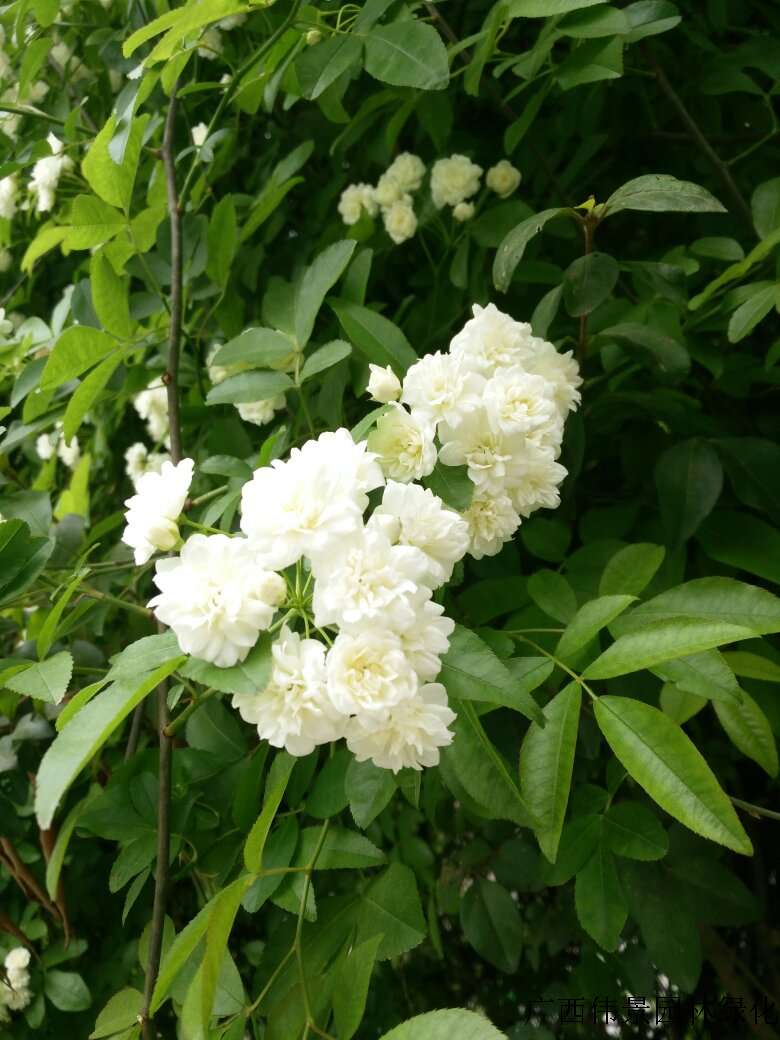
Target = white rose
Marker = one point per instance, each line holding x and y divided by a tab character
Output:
537	483
9	190
404	445
427	638
388	190
355	200
152	512
503	178
561	370
369	672
463	211
407	171
383	384
491	339
411	734
492	520
152	406
439	387
199	134
261	412
493	458
454	180
519	402
400	220
69	452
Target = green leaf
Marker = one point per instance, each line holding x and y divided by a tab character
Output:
369	789
86	394
144	655
249	676
594	22
57	855
749	730
753	310
662	193
670	356
182	947
755	256
48	237
350	991
407	54
588	282
220	923
679	704
491	923
342	849
765	205
120	1013
753	468
390	907
276	785
377	338
113	182
318	67
590	62
552	593
67	990
249	386
633	831
741	540
547	8
452	484
649	18
222	241
716	599
471	671
598	897
663	640
325	357
93	222
752	666
317	281
689	480
663	761
44	681
546	764
278	852
482	771
78	348
84	735
580	837
589	620
110	297
328	795
510	252
256	346
448	1024
705	675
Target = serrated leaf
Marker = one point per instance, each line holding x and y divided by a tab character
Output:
45	680
407	54
255	346
78	348
749	730
633	831
491	923
588	622
448	1024
598	897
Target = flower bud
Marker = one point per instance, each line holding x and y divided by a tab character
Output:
383	384
313	37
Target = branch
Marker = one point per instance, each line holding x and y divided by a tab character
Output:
171	380
695	133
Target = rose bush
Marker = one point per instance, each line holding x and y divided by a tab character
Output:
390	489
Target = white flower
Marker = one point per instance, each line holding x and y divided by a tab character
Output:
537	484
439	387
9	189
294	711
69	452
199	133
5	66
6	326
45	446
216	597
492	457
492	520
233	21
139	460
427	638
313	37
210	44
356	198
137	72
561	370
492	339
388	190
463	211
407	171
61	53
38	91
367	580
404	445
310	504
518	402
6	259
46	174
152	512
261	412
454	180
425	523
503	178
409	737
368	672
152	406
383	384
400	220
16	993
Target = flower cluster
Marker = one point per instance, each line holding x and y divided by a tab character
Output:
344	544
15	992
453	182
46	175
68	452
152	406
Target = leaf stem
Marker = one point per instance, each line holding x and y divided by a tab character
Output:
556	660
176	724
755	810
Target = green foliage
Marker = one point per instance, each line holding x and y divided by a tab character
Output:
604	814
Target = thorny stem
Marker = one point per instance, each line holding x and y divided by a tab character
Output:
171	380
695	132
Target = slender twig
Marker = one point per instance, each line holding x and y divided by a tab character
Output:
755	810
104	597
696	134
176	724
135	731
171	380
588	227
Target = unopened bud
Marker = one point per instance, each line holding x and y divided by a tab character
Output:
313	37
